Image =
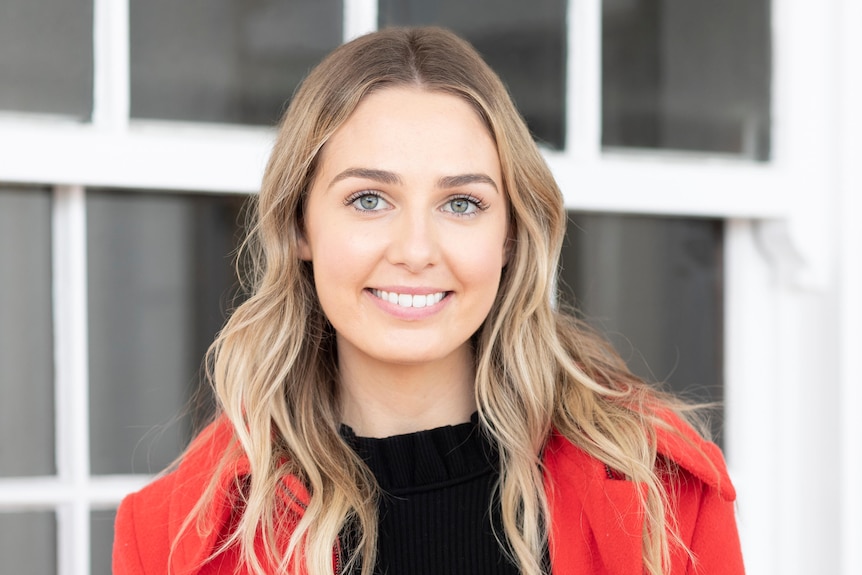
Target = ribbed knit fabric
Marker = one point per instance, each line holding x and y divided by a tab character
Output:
434	513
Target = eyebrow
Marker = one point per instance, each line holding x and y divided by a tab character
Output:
391	178
447	182
382	176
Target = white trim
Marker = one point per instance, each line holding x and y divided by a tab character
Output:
803	137
33	493
777	333
111	64
360	17
147	156
72	400
629	183
750	354
584	80
211	159
850	284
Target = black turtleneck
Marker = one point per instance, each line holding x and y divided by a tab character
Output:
436	513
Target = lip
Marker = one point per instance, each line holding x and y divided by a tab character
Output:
409	313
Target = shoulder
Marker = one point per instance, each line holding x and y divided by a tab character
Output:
683	448
149	520
682	452
587	498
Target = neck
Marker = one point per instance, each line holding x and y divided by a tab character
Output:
382	399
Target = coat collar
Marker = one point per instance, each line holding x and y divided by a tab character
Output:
591	511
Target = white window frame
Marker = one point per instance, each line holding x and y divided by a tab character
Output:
850	282
780	244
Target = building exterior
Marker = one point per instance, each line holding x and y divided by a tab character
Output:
710	154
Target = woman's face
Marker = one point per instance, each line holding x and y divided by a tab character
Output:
406	226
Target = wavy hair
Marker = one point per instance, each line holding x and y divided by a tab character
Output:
273	366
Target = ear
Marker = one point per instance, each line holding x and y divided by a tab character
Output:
303	245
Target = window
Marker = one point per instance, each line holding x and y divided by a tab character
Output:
26	353
46	55
525	43
653	286
240	60
29	541
686	75
160	283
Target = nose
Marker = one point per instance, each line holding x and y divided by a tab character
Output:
414	242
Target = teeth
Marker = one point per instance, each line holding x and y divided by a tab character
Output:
407	300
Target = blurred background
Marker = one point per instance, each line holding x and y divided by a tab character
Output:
709	154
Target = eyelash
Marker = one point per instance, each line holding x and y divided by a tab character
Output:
356	195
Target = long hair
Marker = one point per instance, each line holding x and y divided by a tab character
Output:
273	366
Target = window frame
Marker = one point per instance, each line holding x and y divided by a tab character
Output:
777	234
850	286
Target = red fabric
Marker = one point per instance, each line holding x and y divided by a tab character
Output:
596	522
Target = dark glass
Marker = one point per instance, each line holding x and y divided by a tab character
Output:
161	281
653	287
28	542
524	42
230	61
101	540
46	57
687	75
26	334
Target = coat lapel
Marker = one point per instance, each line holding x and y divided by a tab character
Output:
596	522
192	479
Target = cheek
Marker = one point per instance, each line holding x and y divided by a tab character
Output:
341	262
481	265
328	254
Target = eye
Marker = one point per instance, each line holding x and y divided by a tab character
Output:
464	205
367	202
461	206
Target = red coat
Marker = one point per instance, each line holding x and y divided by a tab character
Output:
596	523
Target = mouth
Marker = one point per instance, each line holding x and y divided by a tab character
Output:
410	300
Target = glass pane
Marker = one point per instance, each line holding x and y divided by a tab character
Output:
687	75
26	336
46	56
28	542
235	61
653	286
525	43
161	278
101	541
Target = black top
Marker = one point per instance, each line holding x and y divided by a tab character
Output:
435	512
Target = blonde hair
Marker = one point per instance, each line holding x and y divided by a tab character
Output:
273	366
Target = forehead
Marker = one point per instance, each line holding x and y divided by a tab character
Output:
408	124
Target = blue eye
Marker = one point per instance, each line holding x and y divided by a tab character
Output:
463	206
368	202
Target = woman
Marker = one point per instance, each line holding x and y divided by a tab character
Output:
399	394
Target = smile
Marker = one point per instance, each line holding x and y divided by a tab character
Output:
409	300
